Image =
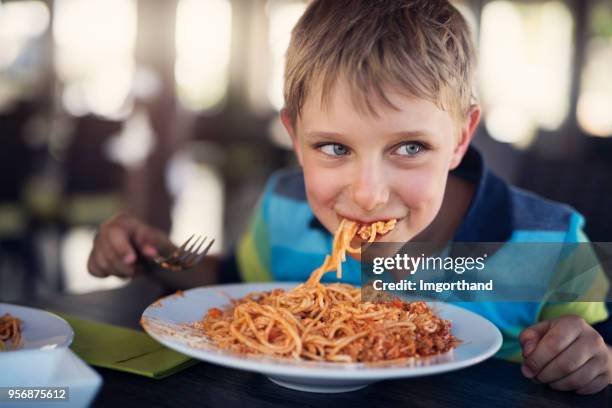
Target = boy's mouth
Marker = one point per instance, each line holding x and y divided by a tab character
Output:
374	230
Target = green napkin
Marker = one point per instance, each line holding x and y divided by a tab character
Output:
119	348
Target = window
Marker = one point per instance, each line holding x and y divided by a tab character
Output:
21	25
203	44
525	66
94	42
594	113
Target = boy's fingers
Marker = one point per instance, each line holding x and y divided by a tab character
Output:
537	330
150	250
580	378
93	267
530	337
116	266
113	251
570	360
560	335
598	384
121	269
153	242
121	245
101	264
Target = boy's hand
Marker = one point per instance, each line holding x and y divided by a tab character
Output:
567	354
118	242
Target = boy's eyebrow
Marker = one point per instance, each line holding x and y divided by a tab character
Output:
315	133
412	134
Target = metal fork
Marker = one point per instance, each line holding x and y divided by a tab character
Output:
186	256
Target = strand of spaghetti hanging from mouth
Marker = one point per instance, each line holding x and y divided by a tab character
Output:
347	230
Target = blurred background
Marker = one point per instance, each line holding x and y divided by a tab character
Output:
168	109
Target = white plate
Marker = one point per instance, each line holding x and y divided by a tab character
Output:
40	329
49	368
164	321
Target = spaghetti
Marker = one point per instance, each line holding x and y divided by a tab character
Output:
368	232
10	332
321	322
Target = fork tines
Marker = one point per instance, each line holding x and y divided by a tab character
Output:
192	255
189	254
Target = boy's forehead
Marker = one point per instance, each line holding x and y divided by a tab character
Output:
400	112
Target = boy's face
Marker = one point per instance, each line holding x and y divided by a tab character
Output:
373	168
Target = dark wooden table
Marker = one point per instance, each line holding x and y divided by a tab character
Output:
493	383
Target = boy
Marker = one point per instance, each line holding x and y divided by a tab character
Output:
378	104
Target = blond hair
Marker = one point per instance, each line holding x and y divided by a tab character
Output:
419	47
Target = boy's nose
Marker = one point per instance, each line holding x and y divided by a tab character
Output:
370	191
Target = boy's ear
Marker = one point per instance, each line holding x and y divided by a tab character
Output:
465	136
286	119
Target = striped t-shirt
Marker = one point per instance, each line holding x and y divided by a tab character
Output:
286	242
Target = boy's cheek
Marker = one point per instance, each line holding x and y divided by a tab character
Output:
423	194
323	187
420	185
420	218
424	205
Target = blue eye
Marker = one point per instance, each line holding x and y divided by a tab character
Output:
334	149
409	149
